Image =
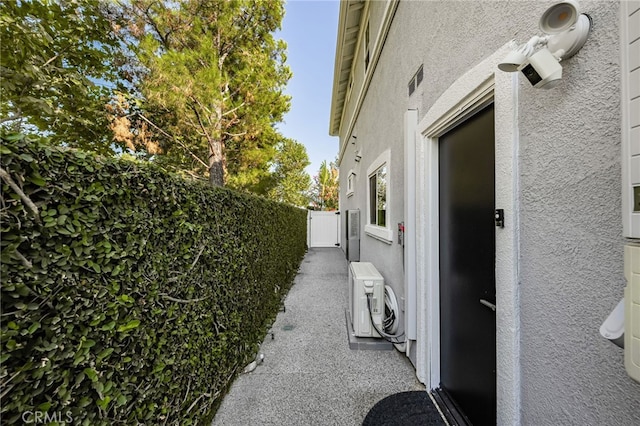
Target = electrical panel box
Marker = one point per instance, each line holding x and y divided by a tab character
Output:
353	235
632	311
364	280
401	233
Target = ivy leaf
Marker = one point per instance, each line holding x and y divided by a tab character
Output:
84	402
116	270
109	326
88	343
99	387
32	329
36	179
121	400
26	157
103	402
44	406
129	326
91	374
104	354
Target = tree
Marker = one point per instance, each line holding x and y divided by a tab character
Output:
325	192
194	85
291	182
214	83
56	61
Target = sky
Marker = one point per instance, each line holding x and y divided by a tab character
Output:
310	30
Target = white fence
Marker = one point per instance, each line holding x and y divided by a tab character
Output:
323	229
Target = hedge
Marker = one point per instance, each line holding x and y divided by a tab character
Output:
131	295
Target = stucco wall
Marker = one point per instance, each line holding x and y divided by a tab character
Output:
570	264
417	37
571	239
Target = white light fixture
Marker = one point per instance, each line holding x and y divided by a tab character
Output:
559	17
567	31
566	44
358	155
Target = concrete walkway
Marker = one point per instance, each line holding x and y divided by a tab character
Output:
309	375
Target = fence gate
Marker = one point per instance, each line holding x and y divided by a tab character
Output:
323	229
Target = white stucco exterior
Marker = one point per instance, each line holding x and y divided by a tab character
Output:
559	263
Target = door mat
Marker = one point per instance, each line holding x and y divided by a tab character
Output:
404	409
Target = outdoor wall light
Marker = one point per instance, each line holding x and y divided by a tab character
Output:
358	156
567	31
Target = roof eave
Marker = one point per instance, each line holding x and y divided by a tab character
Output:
339	73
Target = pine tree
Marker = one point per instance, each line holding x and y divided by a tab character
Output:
213	87
291	182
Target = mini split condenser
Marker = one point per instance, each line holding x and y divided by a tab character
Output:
364	279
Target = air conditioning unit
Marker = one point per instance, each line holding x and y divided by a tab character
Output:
364	279
353	235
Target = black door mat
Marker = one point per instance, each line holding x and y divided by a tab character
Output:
404	409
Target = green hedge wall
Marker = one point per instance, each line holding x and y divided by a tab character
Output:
130	295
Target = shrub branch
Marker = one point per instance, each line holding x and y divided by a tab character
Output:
25	199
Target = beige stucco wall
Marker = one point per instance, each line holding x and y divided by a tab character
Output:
570	267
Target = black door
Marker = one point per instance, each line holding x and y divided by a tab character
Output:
467	267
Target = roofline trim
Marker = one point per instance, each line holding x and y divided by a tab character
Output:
380	39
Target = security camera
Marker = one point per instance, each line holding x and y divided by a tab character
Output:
515	58
566	32
542	69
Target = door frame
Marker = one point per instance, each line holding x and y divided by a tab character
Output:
477	88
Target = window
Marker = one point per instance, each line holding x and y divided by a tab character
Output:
378	218
351	183
367	40
412	86
378	197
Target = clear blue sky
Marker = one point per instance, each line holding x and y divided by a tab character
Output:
310	30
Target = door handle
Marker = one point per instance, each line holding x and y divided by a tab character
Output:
488	304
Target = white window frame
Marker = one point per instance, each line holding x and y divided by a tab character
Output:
351	183
382	233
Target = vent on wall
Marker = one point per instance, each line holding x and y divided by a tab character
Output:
416	80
